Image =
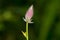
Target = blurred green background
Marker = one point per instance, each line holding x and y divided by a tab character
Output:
46	19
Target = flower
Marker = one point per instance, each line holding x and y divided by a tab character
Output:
29	15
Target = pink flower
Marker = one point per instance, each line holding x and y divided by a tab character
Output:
29	15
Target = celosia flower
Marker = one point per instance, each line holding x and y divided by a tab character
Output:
28	19
29	15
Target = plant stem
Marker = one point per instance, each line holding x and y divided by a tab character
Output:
27	30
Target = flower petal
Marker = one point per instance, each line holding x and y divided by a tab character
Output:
24	19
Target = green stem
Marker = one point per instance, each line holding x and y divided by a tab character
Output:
27	30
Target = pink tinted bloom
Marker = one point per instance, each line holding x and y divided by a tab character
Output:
29	15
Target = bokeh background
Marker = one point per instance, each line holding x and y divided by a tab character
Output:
46	19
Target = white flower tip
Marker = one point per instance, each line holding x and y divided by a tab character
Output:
31	22
31	6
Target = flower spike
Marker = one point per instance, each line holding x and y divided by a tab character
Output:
29	14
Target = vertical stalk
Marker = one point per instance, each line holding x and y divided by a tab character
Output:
27	30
